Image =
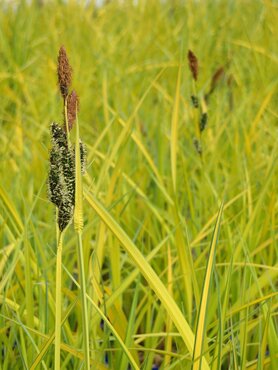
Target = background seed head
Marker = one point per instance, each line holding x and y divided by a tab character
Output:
195	101
203	121
193	64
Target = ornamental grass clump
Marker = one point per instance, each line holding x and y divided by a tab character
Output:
67	163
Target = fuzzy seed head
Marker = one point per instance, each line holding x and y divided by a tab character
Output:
58	135
65	214
72	108
61	179
198	146
83	156
64	72
218	74
203	121
193	64
54	184
67	165
195	101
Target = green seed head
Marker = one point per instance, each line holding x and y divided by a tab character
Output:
195	101
61	181
203	121
65	214
83	156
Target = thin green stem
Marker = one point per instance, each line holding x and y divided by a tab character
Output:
78	226
85	321
58	307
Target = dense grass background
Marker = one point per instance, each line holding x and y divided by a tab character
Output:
137	121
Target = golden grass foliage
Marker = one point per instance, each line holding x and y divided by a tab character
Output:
172	256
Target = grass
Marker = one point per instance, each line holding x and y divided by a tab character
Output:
179	242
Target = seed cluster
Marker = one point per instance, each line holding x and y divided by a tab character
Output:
83	156
193	64
199	102
203	121
61	179
71	100
72	108
64	72
195	101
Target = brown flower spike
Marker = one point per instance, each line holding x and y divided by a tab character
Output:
218	74
72	108
193	64
64	72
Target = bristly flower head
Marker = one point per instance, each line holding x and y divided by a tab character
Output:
203	121
64	72
61	179
83	157
193	64
72	108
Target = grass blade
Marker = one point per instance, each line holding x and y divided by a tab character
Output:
49	341
201	325
149	274
78	226
174	131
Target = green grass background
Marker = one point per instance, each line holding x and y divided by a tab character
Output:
137	121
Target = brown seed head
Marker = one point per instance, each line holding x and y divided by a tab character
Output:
193	64
72	108
64	72
218	74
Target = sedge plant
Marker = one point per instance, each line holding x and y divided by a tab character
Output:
65	191
159	287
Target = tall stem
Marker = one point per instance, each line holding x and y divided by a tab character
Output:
85	321
58	307
78	226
